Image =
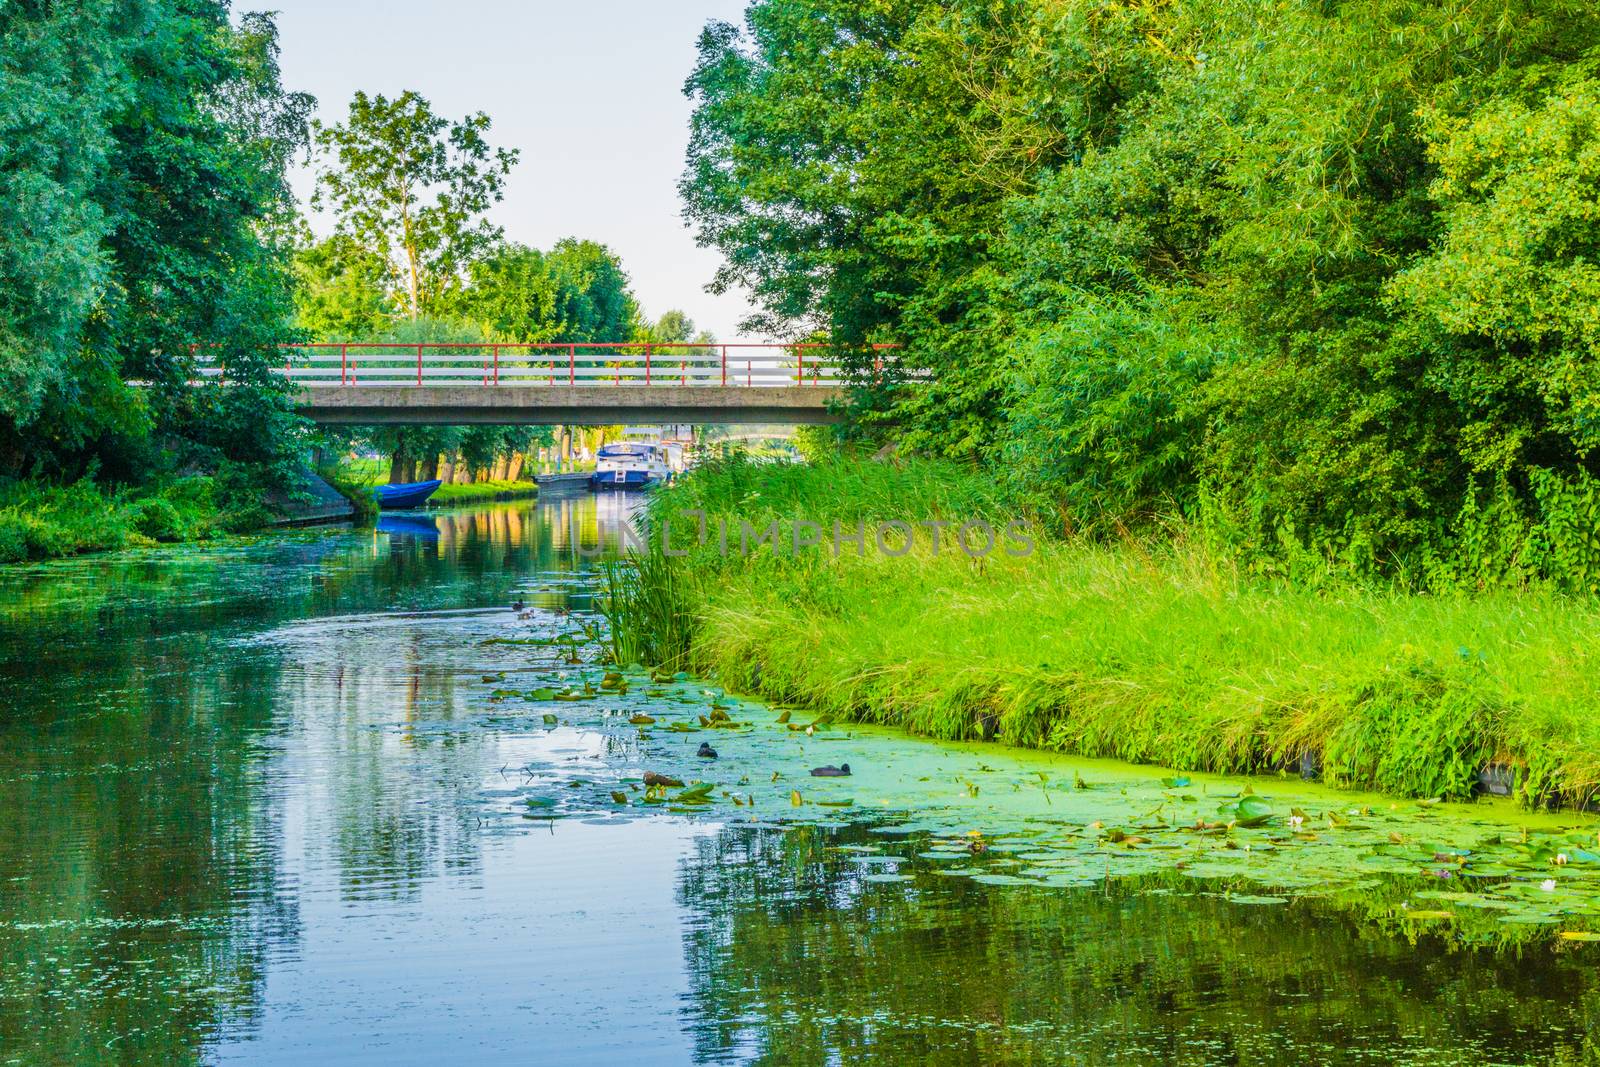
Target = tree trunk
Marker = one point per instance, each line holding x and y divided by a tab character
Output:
414	285
429	469
397	468
463	472
502	464
514	466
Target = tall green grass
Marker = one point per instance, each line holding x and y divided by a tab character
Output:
355	480
1157	652
479	492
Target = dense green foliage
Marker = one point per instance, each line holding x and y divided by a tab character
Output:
143	146
1153	651
42	521
1316	276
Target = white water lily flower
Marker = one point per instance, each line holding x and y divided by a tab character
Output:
1296	821
1548	885
1561	859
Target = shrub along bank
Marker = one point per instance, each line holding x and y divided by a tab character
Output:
43	521
1157	652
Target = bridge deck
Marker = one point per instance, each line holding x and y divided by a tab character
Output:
593	383
570	405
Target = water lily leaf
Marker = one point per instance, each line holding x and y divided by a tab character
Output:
619	796
1248	810
696	794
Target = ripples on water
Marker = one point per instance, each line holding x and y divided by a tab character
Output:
252	811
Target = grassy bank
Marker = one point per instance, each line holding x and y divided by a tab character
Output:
43	521
480	492
1157	653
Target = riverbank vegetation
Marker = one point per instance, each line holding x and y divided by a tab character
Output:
143	234
1153	649
43	521
1276	321
1315	277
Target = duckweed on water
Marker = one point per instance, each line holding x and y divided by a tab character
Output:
1011	817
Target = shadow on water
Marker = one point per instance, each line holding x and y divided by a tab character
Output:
251	811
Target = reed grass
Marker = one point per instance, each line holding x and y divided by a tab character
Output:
480	492
648	604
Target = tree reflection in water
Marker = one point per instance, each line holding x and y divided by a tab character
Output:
794	958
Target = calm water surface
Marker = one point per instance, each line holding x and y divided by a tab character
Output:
238	824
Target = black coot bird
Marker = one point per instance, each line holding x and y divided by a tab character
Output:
518	605
830	771
706	751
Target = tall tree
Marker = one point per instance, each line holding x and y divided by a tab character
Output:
413	188
143	149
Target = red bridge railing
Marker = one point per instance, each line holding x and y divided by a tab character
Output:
591	363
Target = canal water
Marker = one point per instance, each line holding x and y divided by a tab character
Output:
289	802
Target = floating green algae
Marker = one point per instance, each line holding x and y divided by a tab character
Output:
1012	817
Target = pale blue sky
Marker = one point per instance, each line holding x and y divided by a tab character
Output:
590	90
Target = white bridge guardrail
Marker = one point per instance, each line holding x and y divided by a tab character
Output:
335	364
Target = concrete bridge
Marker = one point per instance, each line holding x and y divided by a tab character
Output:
567	384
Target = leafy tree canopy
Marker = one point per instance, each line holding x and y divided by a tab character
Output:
1317	276
412	189
143	214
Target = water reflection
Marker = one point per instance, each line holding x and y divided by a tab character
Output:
796	959
407	525
250	811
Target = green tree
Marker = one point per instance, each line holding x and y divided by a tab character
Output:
1317	275
61	77
512	294
594	300
143	157
412	188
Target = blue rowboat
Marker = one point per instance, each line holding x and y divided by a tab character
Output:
405	495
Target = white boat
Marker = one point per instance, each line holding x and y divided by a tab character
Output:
630	465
